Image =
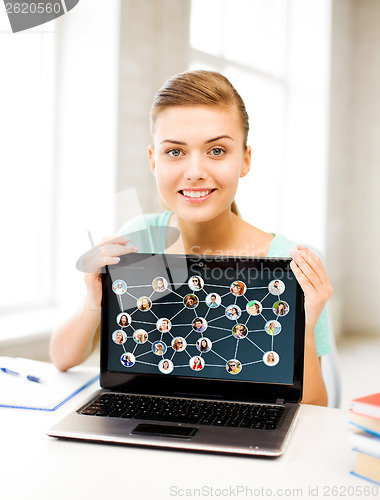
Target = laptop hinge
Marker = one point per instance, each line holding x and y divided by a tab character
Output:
279	401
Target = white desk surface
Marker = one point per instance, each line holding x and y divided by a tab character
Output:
316	463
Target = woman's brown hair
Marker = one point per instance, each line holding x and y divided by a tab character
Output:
207	88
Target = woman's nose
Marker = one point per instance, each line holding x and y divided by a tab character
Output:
195	168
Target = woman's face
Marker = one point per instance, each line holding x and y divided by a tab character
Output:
123	320
204	343
119	337
145	302
198	158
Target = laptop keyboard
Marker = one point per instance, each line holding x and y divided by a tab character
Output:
191	411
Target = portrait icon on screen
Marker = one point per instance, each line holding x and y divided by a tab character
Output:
233	312
123	319
233	366
281	308
254	307
144	303
196	363
159	284
190	301
164	325
200	325
238	288
271	358
272	327
204	344
195	283
276	287
140	336
127	359
166	366
119	337
239	331
213	300
119	287
159	348
179	344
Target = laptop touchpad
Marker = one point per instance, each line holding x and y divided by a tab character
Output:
165	430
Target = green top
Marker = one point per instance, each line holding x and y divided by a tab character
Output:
149	234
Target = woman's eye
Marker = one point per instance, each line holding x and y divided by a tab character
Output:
174	152
217	151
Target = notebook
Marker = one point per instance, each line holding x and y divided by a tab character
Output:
197	353
53	389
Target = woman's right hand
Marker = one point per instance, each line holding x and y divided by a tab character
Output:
105	254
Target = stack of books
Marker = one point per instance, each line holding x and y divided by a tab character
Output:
365	416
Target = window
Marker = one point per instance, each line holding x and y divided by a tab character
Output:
276	54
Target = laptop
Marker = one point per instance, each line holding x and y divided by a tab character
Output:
198	352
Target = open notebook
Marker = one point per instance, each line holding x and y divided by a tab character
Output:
54	390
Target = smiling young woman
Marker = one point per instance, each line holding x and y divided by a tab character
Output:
198	155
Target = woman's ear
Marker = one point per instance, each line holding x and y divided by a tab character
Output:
246	164
151	159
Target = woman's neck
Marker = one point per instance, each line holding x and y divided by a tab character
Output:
216	236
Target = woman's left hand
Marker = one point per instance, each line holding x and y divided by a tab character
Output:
312	277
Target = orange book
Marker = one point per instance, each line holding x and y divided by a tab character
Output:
368	406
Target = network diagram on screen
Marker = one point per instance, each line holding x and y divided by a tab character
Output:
203	329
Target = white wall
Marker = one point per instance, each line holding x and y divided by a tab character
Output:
354	177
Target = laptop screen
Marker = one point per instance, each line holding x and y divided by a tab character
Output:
205	317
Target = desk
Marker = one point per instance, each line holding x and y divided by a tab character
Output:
35	466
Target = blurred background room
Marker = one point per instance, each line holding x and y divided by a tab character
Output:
75	96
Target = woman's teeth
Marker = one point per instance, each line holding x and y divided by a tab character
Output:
196	194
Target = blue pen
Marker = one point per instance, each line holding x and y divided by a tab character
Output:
32	378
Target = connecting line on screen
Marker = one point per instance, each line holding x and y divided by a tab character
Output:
224	359
237	345
176	314
166	303
133	312
219	286
151	294
131	295
219	366
154	314
245	297
215	319
255	344
120	303
252	362
224	295
252	331
175	293
205	316
174	353
188	335
133	352
235	299
220	328
143	354
147	322
218	340
145	363
190	356
266	321
272	344
265	298
249	317
257	287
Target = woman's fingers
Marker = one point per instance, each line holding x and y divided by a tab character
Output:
107	253
315	263
304	264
